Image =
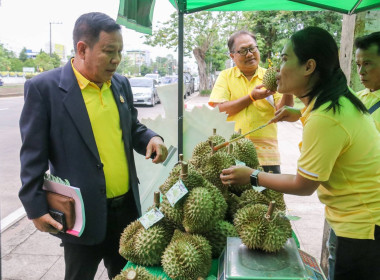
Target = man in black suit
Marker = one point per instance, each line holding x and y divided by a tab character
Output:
79	122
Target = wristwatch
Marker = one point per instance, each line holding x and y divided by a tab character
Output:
254	178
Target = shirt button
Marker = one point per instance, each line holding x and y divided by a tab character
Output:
99	166
103	191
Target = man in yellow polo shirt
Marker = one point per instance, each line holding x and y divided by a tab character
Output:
368	64
239	92
79	122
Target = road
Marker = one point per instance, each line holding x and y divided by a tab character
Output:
10	143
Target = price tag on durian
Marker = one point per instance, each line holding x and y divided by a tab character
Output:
151	217
176	192
259	188
238	162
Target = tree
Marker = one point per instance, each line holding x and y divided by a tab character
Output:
273	28
45	62
202	31
23	56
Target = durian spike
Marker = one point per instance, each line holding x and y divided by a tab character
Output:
214	131
271	207
184	170
156	199
217	147
230	148
131	275
212	146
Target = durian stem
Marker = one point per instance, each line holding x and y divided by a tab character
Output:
180	156
184	170
230	148
156	199
272	205
214	131
212	146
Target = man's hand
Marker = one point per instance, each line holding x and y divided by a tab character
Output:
286	113
46	223
259	92
236	175
156	145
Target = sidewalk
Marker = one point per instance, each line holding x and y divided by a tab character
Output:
28	254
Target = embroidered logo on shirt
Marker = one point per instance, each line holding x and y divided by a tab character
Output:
121	99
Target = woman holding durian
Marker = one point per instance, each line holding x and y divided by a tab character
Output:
340	152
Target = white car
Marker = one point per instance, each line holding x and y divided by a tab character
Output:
144	91
155	77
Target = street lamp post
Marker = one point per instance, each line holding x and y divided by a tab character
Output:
50	23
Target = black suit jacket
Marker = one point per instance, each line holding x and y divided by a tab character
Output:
57	135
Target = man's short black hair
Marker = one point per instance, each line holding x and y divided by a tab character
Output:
365	42
88	27
231	40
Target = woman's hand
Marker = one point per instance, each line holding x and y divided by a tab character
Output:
286	113
236	175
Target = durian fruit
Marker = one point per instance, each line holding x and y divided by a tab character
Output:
233	202
192	179
187	257
235	134
239	189
269	79
216	139
252	197
244	150
136	273
203	207
262	227
174	214
145	246
214	166
276	196
217	236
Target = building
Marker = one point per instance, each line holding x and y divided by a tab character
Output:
138	57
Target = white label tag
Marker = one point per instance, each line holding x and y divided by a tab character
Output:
259	188
238	162
151	217
176	192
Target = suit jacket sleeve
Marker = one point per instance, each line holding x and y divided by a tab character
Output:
34	128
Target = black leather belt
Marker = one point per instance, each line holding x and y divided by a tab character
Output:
116	201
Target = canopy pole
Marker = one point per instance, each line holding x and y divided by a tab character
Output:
180	82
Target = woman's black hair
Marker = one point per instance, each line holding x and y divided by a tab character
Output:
88	27
316	43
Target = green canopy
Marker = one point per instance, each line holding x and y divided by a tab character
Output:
341	6
136	15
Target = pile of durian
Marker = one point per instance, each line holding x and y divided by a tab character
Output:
195	229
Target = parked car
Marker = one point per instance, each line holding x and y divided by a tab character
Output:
188	80
1	82
169	80
144	91
153	76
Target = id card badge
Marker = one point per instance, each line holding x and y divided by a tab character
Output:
151	217
176	192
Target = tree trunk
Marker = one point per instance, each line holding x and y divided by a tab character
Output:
200	58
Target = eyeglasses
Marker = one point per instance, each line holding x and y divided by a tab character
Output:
244	52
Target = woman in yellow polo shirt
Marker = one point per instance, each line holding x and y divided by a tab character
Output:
340	152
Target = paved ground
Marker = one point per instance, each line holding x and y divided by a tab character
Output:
28	254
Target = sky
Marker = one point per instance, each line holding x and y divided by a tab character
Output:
26	23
